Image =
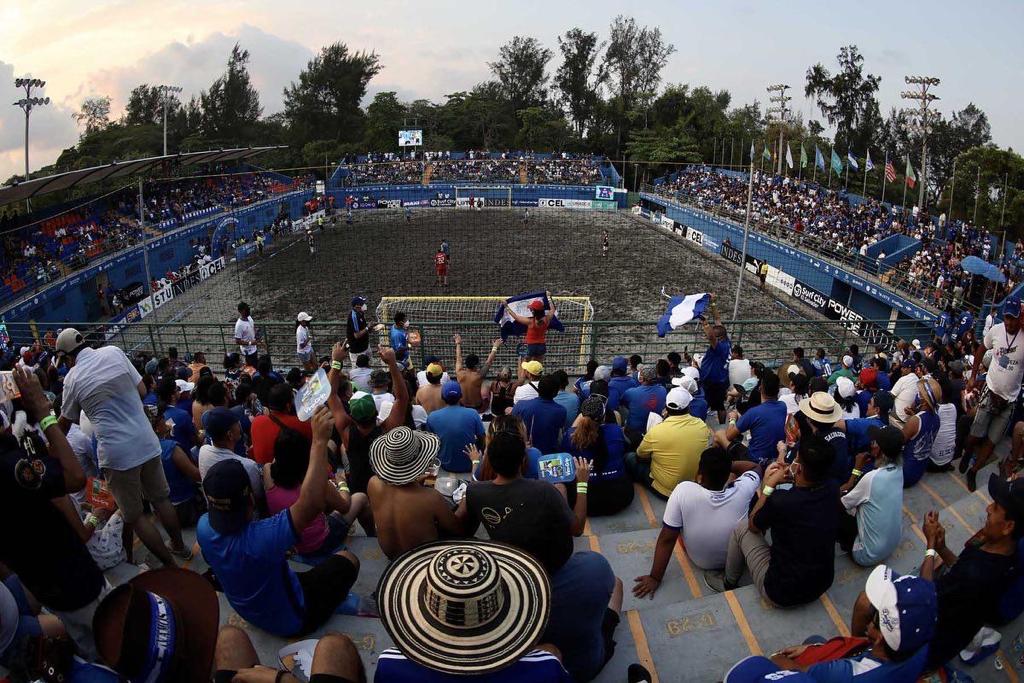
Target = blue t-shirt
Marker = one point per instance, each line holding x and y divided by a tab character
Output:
767	426
963	323
544	420
699	407
399	340
184	431
942	325
863	397
181	487
714	366
842	465
857	438
457	427
537	666
642	401
617	386
571	403
884	383
615	445
254	573
243	422
866	669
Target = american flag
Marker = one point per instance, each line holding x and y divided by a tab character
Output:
890	172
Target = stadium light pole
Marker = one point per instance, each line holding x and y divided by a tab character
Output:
28	103
923	123
165	92
777	96
145	258
746	232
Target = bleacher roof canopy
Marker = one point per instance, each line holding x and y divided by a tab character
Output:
121	169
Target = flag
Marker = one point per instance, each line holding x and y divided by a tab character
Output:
789	157
766	155
803	156
868	166
751	150
681	310
890	172
819	160
837	163
851	161
520	304
911	176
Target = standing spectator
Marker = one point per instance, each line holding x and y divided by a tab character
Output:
703	513
245	335
543	417
670	451
108	389
536	325
280	415
873	528
457	427
798	565
766	423
714	366
470	375
400	339
739	367
304	341
594	439
641	401
357	333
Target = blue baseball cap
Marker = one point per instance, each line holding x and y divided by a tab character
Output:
1012	307
910	363
757	669
619	363
451	392
359	301
227	490
219	421
907	608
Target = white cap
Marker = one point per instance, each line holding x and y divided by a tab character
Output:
848	361
691	372
685	382
794	370
184	386
916	344
602	372
68	340
678	399
303	317
846	387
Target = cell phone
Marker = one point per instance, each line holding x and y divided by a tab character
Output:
557	468
9	386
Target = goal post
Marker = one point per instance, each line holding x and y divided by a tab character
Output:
438	319
481	196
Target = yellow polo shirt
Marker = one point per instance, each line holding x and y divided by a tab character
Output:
674	447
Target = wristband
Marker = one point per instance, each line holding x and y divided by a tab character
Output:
335	365
856	472
47	422
581	487
343	488
931	552
732	423
768	490
92	520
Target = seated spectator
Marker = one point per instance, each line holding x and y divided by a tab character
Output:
845	394
845	370
944	445
766	423
874	526
406	513
183	430
702	515
619	382
224	431
527	389
798	565
670	452
196	366
457	427
282	482
429	394
502	392
904	392
641	401
360	374
594	439
567	399
280	416
970	585
739	367
181	472
249	556
482	470
919	432
434	644
821	413
543	417
586	596
877	416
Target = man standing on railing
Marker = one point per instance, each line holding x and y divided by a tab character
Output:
245	335
357	333
714	366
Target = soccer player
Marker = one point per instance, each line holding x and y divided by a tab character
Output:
408	214
445	247
441	267
311	241
526	216
604	244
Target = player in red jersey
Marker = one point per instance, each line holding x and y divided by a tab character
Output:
441	267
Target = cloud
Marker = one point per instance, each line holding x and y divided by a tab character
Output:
51	128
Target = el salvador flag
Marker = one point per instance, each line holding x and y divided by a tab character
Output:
681	310
520	304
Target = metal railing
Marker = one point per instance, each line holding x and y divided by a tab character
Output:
768	341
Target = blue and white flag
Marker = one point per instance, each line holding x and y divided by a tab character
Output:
819	160
681	310
520	304
868	166
850	160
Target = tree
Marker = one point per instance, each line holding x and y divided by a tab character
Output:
146	106
998	169
542	128
325	101
94	114
384	117
521	72
847	99
576	78
231	106
479	119
949	138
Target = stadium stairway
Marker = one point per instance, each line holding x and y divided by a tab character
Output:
687	632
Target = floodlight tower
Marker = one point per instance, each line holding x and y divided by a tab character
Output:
165	91
922	123
28	103
778	97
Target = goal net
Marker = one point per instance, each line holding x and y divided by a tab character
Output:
480	196
438	319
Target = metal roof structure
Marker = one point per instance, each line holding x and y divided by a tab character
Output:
122	169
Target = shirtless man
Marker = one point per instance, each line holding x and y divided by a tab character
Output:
470	376
429	395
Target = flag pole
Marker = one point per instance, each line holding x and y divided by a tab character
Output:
800	168
846	182
832	151
746	232
814	179
864	192
952	186
904	204
885	169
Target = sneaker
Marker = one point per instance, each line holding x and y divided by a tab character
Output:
715	580
972	481
965	462
638	674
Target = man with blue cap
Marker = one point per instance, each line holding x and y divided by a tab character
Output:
1002	386
357	333
458	427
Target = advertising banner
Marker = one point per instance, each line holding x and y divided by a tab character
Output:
601	205
694	236
145	306
162	296
604	192
563	203
208	269
781	280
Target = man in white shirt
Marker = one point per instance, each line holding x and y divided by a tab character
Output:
304	341
739	367
1002	386
245	335
528	389
705	512
104	386
904	391
225	431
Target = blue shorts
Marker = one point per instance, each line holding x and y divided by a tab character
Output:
28	623
536	350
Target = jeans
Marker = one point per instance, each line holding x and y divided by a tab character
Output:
580	592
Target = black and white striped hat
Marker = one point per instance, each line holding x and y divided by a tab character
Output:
402	455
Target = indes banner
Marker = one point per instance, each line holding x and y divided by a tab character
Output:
563	203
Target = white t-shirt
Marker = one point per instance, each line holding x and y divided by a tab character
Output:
361	377
525	392
706	518
903	392
739	371
303	341
210	455
1006	369
104	386
945	439
245	330
381	399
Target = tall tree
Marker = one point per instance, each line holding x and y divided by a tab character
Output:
847	99
93	115
577	79
325	101
521	70
949	138
384	117
146	106
231	106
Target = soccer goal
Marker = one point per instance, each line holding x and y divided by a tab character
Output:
437	319
480	196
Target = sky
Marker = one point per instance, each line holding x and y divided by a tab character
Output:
106	47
